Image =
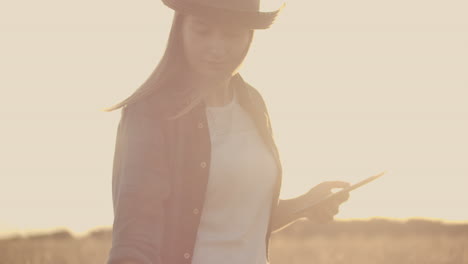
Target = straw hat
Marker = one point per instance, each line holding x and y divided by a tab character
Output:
249	13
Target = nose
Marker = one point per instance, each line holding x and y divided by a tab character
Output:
217	46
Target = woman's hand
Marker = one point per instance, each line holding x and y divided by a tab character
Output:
326	211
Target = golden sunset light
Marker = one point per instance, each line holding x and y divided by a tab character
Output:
353	88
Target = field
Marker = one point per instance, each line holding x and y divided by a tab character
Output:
363	242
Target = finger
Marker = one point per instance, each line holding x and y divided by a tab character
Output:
331	208
341	184
320	190
342	197
336	184
318	215
336	203
335	209
325	215
311	215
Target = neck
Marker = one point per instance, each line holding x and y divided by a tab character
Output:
217	92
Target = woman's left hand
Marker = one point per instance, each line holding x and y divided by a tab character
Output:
326	211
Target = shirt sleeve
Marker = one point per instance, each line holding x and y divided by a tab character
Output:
140	185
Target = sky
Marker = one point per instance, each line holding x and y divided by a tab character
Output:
353	88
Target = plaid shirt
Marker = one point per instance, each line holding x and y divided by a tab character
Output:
160	174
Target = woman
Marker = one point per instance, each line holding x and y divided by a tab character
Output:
197	175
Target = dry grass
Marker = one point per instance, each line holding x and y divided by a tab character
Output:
290	246
55	251
383	249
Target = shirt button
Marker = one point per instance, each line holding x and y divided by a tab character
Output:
196	211
203	164
200	125
186	255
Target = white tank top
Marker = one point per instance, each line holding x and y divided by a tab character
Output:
239	194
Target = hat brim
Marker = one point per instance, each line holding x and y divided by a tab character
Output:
249	19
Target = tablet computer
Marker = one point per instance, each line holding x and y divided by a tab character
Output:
347	189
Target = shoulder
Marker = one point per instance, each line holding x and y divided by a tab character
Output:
255	95
150	106
141	120
139	127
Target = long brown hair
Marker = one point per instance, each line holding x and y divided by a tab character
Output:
169	69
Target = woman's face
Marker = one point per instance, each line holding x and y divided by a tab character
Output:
214	50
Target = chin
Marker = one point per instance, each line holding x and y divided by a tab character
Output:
215	74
